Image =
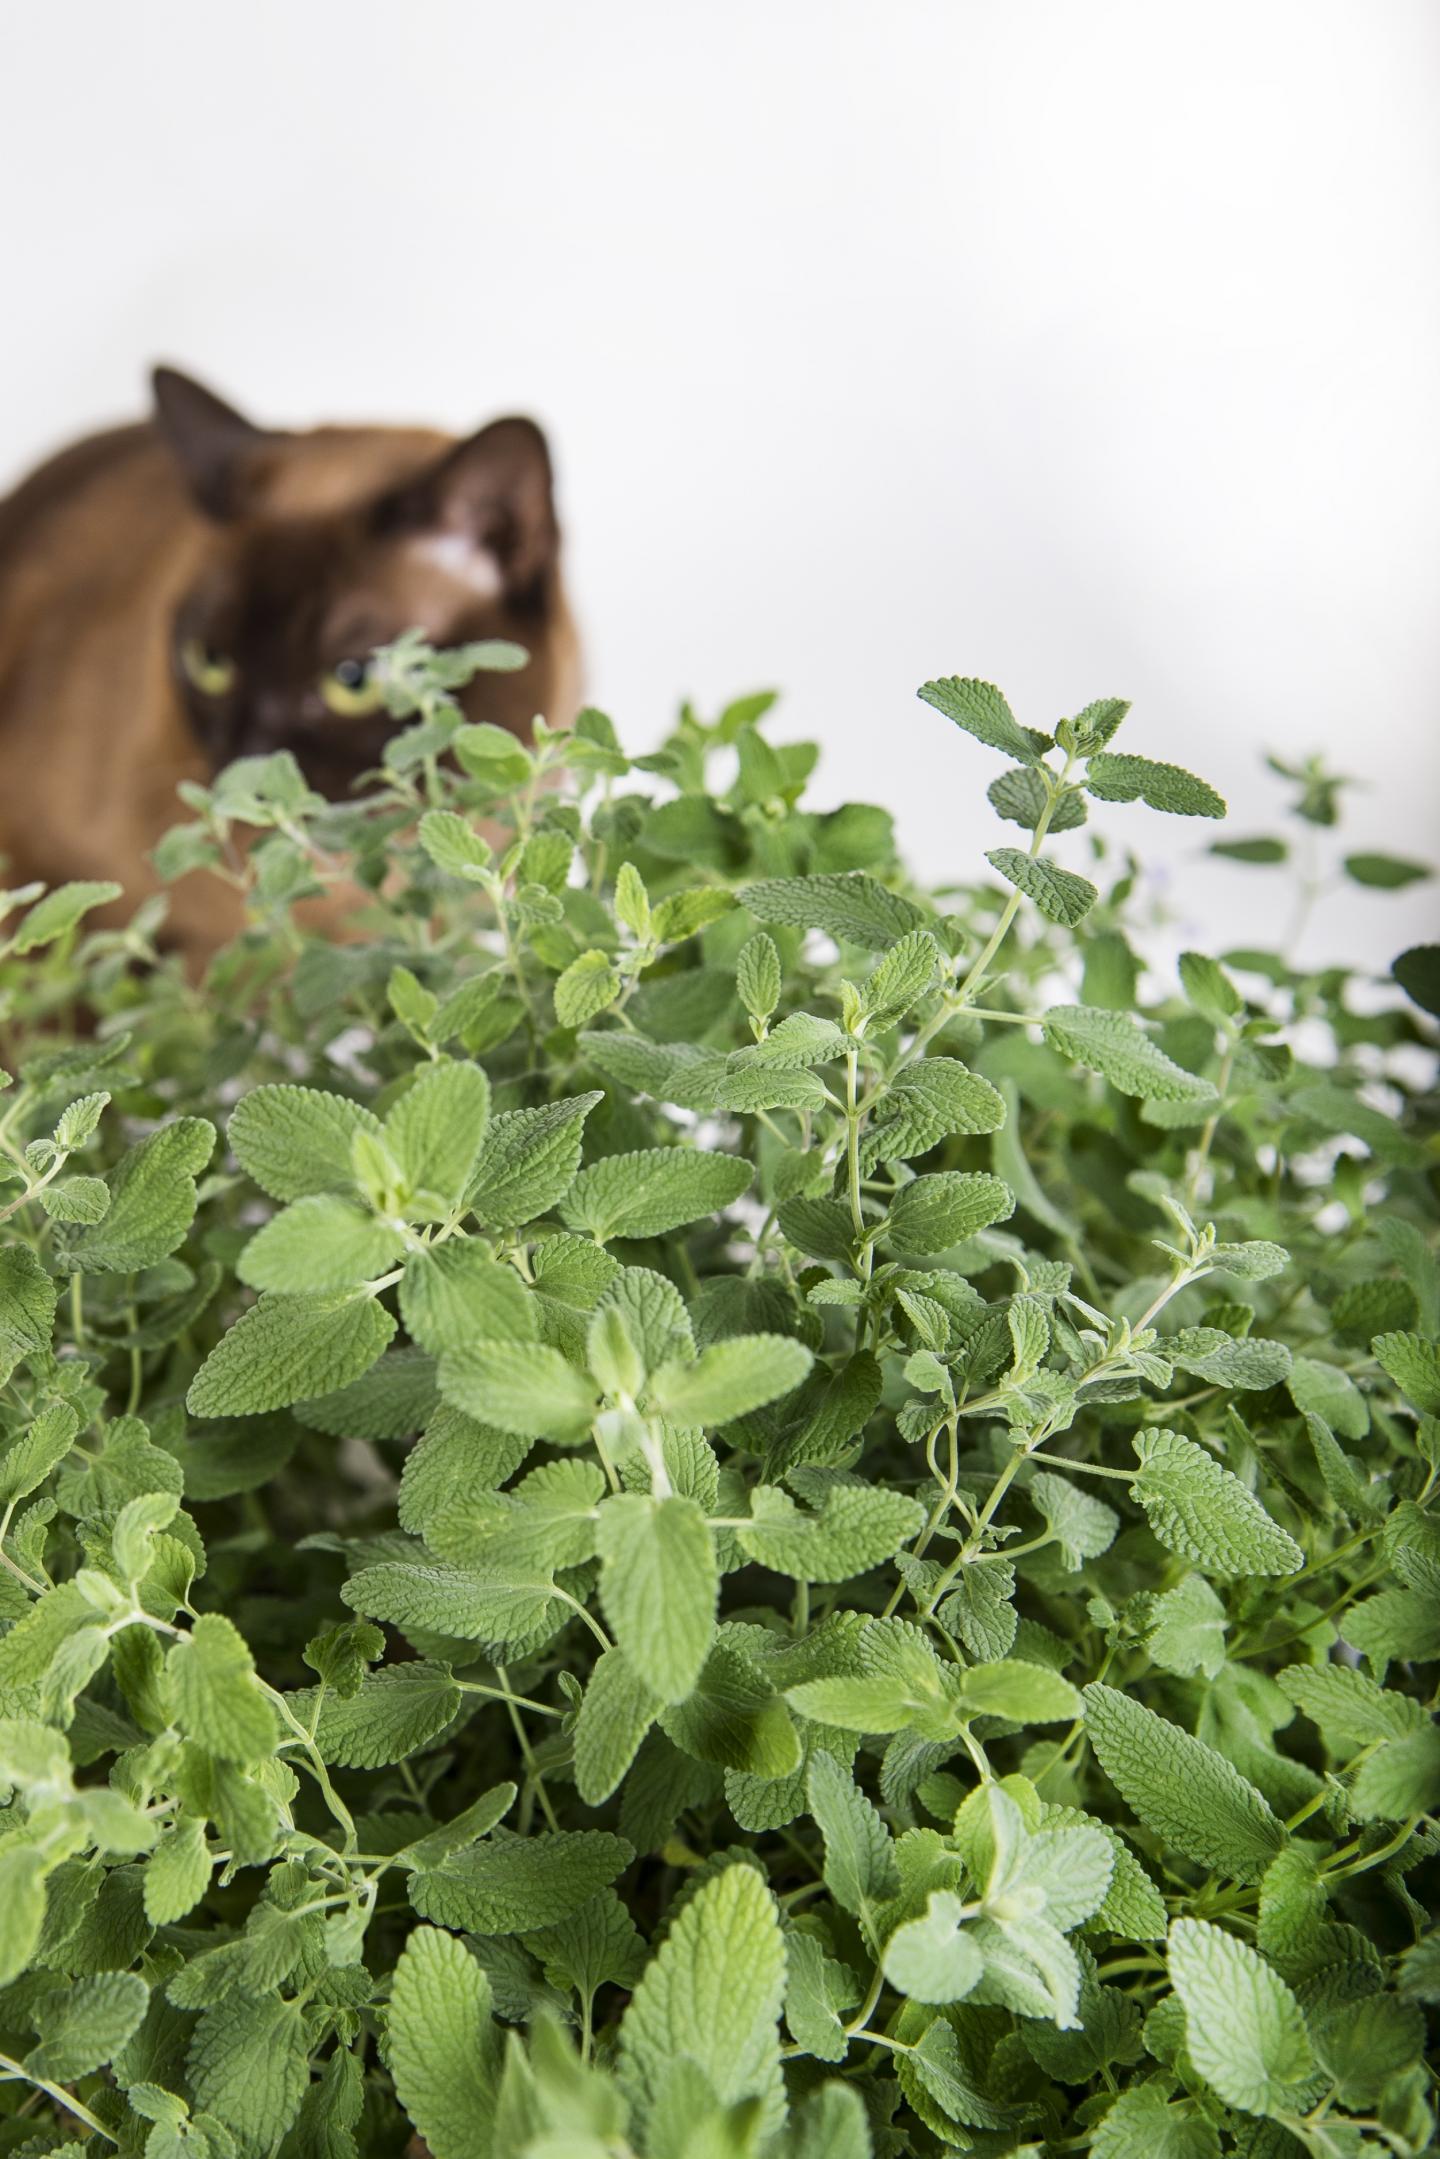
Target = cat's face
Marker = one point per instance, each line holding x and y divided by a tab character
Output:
322	546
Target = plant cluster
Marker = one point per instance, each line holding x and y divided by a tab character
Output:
689	1503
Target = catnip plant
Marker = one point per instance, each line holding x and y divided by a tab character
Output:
684	1503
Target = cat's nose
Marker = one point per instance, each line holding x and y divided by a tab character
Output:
272	720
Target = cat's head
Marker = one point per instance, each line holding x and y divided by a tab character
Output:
320	546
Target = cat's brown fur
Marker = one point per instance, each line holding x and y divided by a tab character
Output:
286	552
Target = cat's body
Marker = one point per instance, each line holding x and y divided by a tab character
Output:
180	593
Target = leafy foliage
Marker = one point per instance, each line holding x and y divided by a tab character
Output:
683	1504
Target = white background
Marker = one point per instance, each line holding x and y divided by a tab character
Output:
1087	345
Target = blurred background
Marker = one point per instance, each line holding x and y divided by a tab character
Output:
1091	348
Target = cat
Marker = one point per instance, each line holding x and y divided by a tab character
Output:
196	588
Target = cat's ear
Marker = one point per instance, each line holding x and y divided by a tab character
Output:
210	439
493	494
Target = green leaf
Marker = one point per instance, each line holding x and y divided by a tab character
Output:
1243	2028
59	912
451	1294
853	909
1022	1693
1414	1365
22	1899
521	1387
1059	894
856	1528
1164	787
1182	1790
1209	988
757	976
249	2064
325	1242
453	845
926	1103
729	1379
711	1995
659	1587
86	2023
30	1458
933	1213
527	1161
27	1307
394	1715
444	2048
499	1606
288	1348
152	1202
655	1190
587	986
616	1713
1144	2124
860	1869
295	1141
1082	1525
177	1873
216	1696
509	1884
981	711
1212	1354
1350	1709
1417	970
1111	1044
933	1959
1259	851
735	1719
434	1133
1202	1511
1388	873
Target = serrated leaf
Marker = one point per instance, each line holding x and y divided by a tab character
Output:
860	1870
527	1161
249	2065
712	1995
325	1242
1122	778
86	2023
616	1713
1182	1790
1243	2027
216	1696
443	2046
587	986
287	1348
152	1202
853	909
856	1528
1414	1365
295	1141
1059	894
59	912
1111	1044
1201	1510
453	1294
932	1213
658	1586
521	1387
981	710
27	1307
729	1379
508	1884
395	1714
655	1190
932	1958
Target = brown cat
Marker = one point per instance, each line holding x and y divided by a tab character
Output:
194	589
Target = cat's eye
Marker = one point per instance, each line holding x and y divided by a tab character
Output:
351	689
211	673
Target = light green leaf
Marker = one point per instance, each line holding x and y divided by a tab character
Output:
1140	779
288	1348
932	1959
296	1140
615	1715
444	2048
1243	2027
29	1459
434	1133
453	1294
216	1695
981	710
1059	894
587	986
1111	1044
27	1307
932	1213
454	845
59	911
853	909
152	1203
655	1190
87	2022
325	1242
658	1587
394	1715
712	1995
1182	1790
521	1387
857	1527
1414	1365
177	1873
1199	1509
860	1869
730	1379
757	976
527	1161
249	2064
